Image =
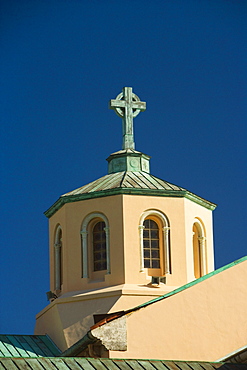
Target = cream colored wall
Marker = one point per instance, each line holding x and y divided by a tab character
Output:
48	322
202	323
193	212
70	217
181	214
173	208
124	213
80	298
66	320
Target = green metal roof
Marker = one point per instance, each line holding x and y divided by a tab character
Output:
27	346
127	182
80	363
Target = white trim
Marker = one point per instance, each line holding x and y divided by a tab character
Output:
84	234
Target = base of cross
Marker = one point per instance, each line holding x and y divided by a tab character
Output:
128	142
128	160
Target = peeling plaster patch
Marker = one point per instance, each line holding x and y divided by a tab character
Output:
113	335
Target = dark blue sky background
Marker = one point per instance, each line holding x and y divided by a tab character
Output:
61	62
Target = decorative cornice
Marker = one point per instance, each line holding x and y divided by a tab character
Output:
129	191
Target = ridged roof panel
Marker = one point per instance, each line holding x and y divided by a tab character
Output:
80	363
27	346
126	180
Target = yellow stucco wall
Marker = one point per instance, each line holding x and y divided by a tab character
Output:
202	323
123	213
70	217
70	316
181	214
66	320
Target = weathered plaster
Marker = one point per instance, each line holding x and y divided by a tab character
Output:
113	335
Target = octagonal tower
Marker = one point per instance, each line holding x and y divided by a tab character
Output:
121	240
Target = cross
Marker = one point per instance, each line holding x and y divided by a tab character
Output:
127	105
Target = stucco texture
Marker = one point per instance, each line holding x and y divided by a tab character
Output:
203	322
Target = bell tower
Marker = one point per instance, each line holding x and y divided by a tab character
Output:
121	240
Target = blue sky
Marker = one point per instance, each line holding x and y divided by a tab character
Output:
61	62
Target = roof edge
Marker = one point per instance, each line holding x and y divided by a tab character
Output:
237	356
89	338
192	283
129	191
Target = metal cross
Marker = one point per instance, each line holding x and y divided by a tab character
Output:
127	105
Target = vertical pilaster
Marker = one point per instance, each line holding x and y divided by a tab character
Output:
141	228
84	254
57	247
108	265
202	245
167	267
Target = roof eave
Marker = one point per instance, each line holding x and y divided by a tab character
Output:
129	191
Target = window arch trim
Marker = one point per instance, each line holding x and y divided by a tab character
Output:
84	237
201	244
165	244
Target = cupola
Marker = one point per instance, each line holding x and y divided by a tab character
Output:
122	239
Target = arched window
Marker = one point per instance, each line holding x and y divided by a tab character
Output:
58	259
99	247
199	249
154	243
95	246
151	247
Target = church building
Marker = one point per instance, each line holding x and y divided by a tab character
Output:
132	268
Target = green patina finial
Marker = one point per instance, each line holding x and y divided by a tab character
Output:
127	105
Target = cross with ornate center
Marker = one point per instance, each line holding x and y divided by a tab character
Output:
127	105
